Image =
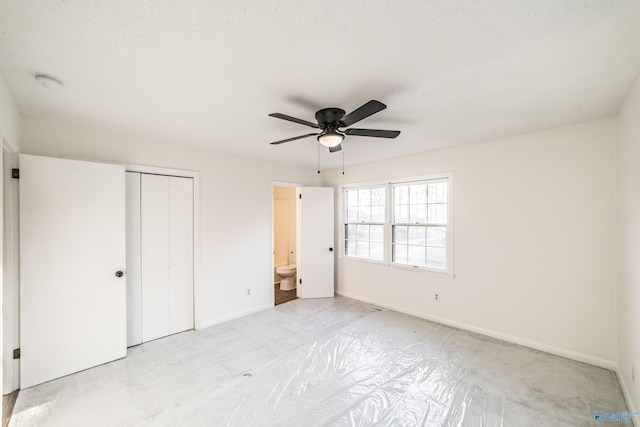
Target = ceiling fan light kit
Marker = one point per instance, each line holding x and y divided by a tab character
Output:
331	119
330	138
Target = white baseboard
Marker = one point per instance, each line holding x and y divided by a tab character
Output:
210	322
607	364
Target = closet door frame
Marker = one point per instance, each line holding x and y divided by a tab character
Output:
195	175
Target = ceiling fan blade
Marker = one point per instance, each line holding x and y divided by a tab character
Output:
376	133
362	112
336	148
293	139
295	120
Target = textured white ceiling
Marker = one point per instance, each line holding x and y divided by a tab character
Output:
208	73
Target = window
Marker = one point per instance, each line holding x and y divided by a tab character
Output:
419	224
364	226
404	223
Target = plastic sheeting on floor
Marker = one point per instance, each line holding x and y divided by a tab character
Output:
334	362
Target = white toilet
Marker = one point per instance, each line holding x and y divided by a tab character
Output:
288	275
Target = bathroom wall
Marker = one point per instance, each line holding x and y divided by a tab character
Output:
284	225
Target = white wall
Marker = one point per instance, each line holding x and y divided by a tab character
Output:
9	144
534	241
9	116
235	200
628	222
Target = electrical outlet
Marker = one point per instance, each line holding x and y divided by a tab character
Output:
436	297
248	292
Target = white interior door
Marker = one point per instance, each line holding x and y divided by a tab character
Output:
315	242
72	243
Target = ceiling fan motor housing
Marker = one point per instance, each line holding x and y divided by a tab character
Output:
328	116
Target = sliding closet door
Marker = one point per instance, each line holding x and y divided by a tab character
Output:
166	212
180	254
155	256
134	254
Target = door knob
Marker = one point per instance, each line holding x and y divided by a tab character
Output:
119	273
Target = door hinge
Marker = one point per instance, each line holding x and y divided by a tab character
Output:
15	173
300	281
16	353
300	196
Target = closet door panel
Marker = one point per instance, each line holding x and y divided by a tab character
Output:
134	284
155	256
180	254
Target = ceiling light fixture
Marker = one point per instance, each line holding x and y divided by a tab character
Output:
331	137
49	81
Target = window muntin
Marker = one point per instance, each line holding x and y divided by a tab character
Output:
365	213
419	224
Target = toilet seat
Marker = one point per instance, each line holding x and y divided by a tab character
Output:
289	268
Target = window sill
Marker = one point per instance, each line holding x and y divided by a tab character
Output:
382	264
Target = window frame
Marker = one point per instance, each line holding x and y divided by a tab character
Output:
389	223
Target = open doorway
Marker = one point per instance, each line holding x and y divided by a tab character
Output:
284	244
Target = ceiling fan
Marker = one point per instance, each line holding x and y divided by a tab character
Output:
331	119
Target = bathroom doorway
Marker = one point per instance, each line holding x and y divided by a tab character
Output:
284	243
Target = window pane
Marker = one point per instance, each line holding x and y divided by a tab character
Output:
377	213
401	194
417	255
350	232
402	214
417	236
352	214
363	232
413	214
438	192
399	234
420	214
399	254
377	251
364	214
364	197
418	194
362	249
350	248
437	213
352	197
436	258
437	236
376	233
377	196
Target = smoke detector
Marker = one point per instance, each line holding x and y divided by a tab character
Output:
49	81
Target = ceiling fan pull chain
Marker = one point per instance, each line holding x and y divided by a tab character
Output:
342	162
318	157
